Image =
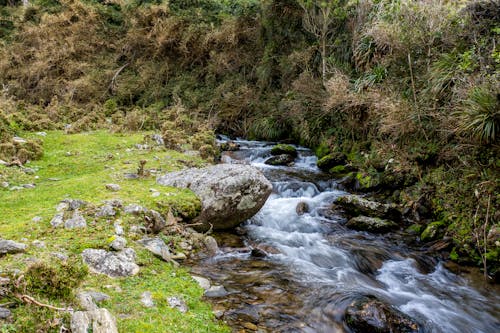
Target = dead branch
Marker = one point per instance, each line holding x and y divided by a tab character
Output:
30	300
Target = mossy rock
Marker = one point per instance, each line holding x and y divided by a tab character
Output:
433	231
371	224
282	159
283	149
331	160
415	229
365	182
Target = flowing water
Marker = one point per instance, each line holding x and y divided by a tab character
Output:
316	267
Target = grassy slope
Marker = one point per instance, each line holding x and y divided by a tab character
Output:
96	159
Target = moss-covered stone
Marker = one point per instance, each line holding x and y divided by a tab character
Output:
366	182
283	149
415	229
433	231
331	160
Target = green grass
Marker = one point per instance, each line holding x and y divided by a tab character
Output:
83	164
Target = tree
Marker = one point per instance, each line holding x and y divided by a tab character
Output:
324	19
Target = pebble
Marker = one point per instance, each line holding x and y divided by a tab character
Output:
147	299
5	184
250	326
118	243
113	187
28	185
41	133
177	303
36	219
118	229
5	313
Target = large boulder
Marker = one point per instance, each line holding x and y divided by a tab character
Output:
368	314
283	159
96	321
112	264
229	193
355	205
9	246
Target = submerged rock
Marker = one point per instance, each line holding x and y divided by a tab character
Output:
230	193
302	208
371	315
371	224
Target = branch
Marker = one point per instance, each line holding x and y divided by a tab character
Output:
113	80
30	300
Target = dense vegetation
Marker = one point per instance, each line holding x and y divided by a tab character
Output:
407	90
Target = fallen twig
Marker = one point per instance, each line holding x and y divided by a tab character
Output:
30	300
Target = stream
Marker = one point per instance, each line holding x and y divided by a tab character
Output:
315	267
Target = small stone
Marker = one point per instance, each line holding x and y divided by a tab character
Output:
118	229
29	171
9	247
86	301
5	313
57	220
203	282
179	256
4	184
258	253
250	326
62	206
16	188
28	185
40	244
113	187
155	194
17	139
60	256
147	299
118	243
216	291
302	208
158	139
68	154
98	296
156	246
2	162
177	303
106	210
115	203
74	204
211	245
76	221
41	133
36	219
134	209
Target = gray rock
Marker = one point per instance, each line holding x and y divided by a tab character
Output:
116	203
147	299
118	243
118	229
134	209
156	246
356	205
76	221
74	204
106	210
371	224
16	188
41	133
98	296
9	247
158	139
57	220
28	186
302	208
216	291
112	264
17	139
113	187
36	219
62	206
4	184
211	245
203	282
38	243
86	301
60	256
5	313
29	171
177	303
230	193
95	321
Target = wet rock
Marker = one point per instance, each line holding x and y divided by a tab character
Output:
95	321
331	160
10	247
106	211
229	146
371	224
147	299
118	243
76	221
216	291
113	187
204	283
355	205
283	149
5	313
371	315
111	264
280	160
177	303
230	193
156	246
258	253
302	208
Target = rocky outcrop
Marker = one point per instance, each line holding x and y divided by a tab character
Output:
368	314
355	205
113	264
230	193
371	224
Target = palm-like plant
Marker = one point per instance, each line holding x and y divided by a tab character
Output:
480	115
